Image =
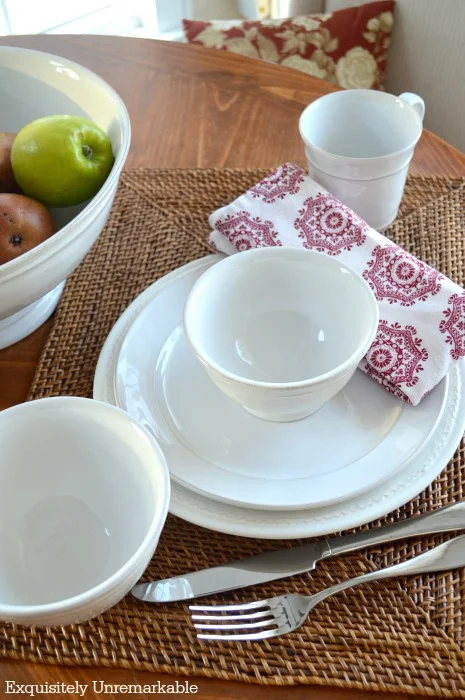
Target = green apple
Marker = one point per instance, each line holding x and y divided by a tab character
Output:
61	160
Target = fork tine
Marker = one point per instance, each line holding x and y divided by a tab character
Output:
245	606
245	616
247	625
264	634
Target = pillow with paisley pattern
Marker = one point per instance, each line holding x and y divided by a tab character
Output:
347	47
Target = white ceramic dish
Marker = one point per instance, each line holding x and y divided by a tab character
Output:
359	144
32	85
216	448
416	474
84	493
280	330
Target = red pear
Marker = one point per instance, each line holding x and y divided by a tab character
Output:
7	179
24	223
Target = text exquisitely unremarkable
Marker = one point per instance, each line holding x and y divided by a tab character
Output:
99	688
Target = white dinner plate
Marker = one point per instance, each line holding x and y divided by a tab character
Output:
360	438
414	476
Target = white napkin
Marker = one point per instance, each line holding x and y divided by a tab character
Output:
422	313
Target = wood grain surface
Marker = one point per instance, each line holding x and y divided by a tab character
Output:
190	107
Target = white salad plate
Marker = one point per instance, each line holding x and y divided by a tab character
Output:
357	440
168	364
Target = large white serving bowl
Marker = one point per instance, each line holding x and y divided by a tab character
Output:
84	493
32	85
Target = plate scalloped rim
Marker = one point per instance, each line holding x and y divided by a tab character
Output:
215	448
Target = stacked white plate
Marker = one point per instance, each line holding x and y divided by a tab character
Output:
362	455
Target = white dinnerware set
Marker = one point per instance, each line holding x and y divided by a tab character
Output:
194	378
226	393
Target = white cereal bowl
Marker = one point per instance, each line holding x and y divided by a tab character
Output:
84	494
32	85
280	330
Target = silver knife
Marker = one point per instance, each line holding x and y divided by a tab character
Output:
294	560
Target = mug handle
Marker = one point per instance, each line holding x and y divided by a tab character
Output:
414	101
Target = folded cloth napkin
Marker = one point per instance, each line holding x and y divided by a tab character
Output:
422	313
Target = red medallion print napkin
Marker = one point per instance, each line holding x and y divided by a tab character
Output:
422	313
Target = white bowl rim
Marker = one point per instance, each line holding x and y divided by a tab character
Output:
332	374
75	602
12	267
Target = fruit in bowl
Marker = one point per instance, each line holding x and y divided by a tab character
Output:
24	223
57	161
61	160
34	84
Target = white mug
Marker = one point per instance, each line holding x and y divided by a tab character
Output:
359	144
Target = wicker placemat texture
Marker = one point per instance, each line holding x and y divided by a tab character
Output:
394	636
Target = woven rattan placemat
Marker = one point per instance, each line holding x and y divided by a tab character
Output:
399	636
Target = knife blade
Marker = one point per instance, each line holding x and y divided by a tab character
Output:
286	562
237	574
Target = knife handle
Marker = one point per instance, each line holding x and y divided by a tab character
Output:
441	520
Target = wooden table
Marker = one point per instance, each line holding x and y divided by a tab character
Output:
191	107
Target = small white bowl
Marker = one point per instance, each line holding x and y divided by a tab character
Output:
280	330
84	494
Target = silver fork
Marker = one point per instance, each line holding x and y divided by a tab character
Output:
274	617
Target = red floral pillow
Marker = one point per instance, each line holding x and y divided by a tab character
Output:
347	47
